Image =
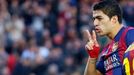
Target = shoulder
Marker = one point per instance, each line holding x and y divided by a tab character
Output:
130	37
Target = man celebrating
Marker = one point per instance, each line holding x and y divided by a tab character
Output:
115	58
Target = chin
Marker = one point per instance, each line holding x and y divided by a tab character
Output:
100	34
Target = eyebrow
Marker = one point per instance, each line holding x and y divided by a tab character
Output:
97	17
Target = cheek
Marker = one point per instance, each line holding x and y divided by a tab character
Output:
105	27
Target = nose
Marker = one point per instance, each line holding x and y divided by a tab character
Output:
96	22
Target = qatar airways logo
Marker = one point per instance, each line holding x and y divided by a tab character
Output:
111	62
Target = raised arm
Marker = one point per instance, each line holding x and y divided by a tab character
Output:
93	49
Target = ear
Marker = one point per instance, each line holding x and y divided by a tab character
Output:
114	19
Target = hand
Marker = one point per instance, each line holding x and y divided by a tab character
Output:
92	45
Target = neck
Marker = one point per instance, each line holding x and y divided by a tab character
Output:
114	31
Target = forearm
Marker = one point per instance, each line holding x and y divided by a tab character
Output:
93	49
91	67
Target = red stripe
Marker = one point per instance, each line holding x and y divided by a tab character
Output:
110	72
131	56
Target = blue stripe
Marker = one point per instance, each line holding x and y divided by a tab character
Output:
117	71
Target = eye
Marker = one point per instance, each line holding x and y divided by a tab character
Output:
99	19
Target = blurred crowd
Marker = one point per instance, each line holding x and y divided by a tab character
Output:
45	37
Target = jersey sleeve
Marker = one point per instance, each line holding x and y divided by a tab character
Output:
130	37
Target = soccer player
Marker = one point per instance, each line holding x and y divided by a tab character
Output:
115	57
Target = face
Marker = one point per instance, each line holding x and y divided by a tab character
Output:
102	23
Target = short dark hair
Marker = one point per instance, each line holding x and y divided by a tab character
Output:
110	8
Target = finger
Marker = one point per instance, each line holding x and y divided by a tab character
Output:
88	35
88	47
90	44
93	35
94	38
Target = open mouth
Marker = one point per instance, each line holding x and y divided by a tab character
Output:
97	30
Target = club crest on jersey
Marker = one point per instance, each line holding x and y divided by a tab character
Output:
115	46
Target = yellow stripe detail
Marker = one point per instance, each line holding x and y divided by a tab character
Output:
127	66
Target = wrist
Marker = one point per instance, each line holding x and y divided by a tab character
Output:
92	60
94	53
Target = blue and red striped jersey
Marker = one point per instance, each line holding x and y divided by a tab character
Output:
110	61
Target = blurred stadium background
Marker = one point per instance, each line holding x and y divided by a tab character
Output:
44	37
